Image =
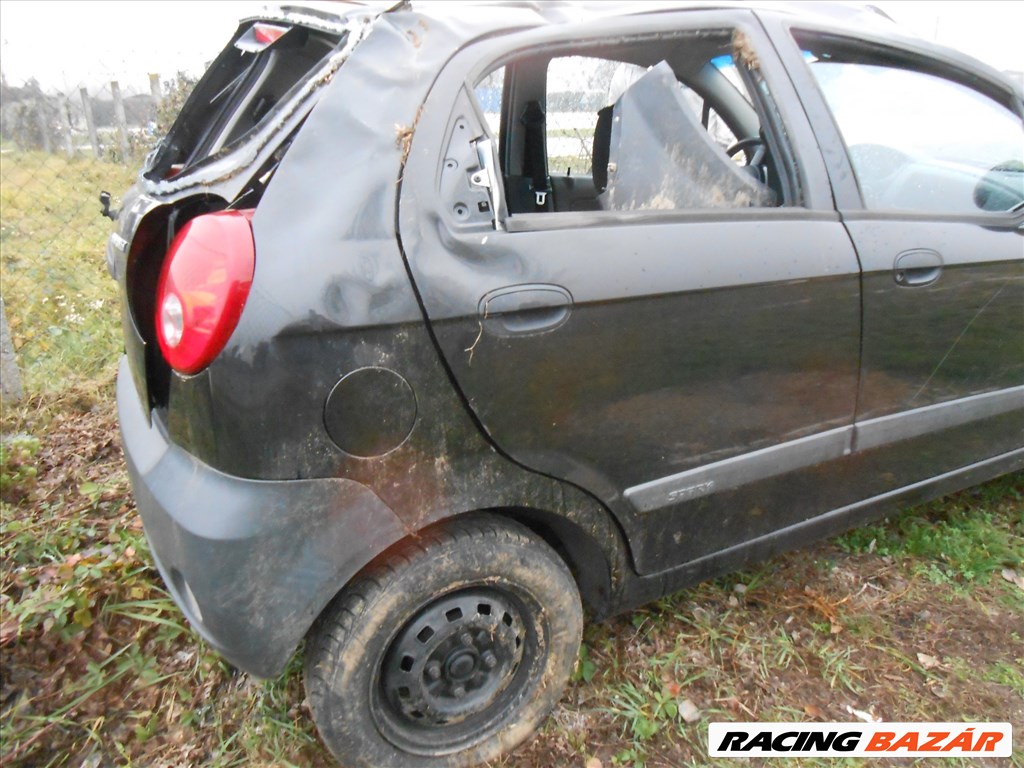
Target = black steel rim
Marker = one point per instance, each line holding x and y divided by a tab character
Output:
451	673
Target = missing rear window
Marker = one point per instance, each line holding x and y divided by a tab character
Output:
259	70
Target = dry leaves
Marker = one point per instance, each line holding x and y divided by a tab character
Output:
1013	577
928	662
689	711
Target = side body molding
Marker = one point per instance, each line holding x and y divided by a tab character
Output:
815	449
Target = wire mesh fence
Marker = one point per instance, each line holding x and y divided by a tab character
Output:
58	150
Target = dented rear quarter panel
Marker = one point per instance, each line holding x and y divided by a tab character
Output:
331	295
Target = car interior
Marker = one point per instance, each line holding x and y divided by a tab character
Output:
660	123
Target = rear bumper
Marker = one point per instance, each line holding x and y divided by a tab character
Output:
251	563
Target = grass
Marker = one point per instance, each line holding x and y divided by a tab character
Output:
100	668
966	543
849	624
98	663
908	619
61	303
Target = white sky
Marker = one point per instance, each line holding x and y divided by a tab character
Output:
66	44
989	30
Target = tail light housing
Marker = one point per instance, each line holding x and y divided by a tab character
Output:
203	287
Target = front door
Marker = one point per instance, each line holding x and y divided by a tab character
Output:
934	208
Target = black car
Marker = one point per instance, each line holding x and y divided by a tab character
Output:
444	322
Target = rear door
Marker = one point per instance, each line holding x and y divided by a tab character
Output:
929	175
683	345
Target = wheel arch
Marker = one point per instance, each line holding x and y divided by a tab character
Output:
587	559
596	557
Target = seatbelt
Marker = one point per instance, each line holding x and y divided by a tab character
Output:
534	160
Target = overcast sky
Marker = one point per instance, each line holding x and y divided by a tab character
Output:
65	44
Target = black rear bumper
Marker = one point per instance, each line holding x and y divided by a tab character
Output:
251	563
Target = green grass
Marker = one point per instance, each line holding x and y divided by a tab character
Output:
954	544
910	618
61	303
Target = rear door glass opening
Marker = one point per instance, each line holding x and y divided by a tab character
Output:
657	124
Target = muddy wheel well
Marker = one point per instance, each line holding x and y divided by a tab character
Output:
580	551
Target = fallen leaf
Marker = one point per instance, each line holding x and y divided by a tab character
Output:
812	711
688	711
928	662
1013	577
939	691
593	762
860	714
672	688
8	631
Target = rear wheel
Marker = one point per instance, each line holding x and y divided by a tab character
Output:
450	653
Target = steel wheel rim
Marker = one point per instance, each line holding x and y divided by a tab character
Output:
451	673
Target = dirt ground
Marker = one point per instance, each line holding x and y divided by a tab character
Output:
98	668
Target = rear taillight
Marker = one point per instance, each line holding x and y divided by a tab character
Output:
260	36
203	287
267	33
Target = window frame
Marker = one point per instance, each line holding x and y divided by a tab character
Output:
781	116
537	62
893	51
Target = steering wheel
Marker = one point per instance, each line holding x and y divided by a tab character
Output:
754	147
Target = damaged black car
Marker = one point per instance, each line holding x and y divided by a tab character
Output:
447	324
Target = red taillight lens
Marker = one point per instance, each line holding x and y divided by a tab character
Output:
267	33
203	287
259	37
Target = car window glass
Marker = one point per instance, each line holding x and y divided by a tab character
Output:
488	96
921	142
669	124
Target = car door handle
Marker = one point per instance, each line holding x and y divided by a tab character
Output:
521	310
918	267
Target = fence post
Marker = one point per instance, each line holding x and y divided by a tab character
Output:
120	120
156	90
44	129
65	126
90	122
10	376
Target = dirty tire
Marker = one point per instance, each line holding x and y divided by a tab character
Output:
449	653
